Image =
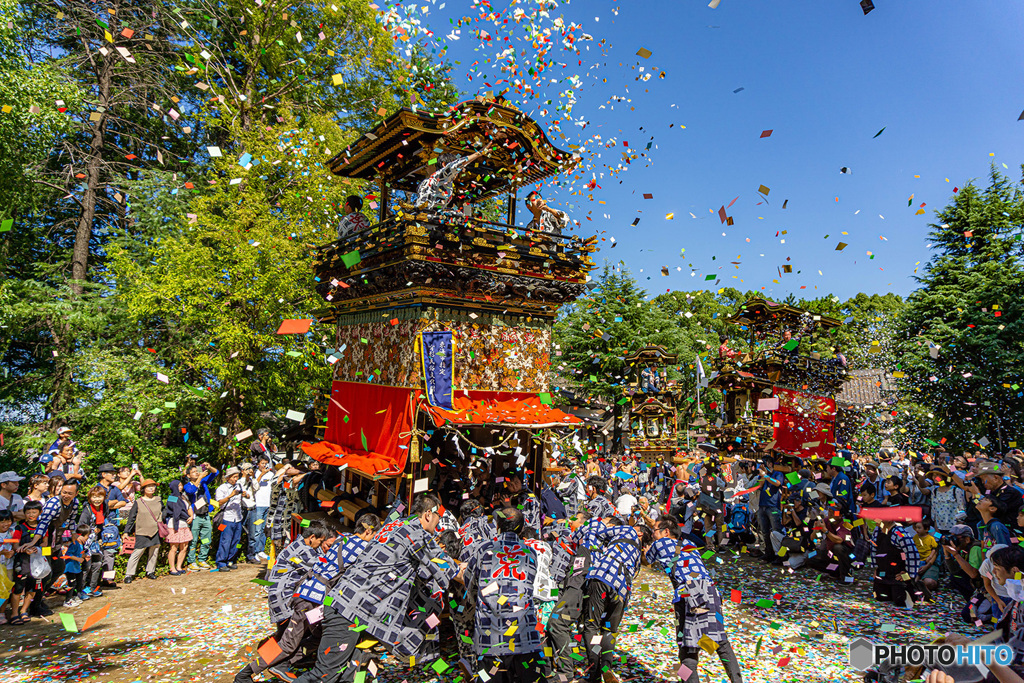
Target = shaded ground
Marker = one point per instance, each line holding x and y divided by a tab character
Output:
195	628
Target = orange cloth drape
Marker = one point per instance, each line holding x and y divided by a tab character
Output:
500	407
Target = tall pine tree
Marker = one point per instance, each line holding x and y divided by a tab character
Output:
961	348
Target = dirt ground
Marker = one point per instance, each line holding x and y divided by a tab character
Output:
177	628
786	627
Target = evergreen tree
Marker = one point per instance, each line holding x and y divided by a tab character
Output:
960	348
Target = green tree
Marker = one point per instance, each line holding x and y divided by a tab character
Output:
163	339
37	106
960	348
597	331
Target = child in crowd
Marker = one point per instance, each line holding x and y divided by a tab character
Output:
928	549
6	560
24	589
74	558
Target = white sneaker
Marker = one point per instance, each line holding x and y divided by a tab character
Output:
72	602
263	557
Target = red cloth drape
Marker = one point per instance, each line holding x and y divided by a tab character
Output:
804	418
375	437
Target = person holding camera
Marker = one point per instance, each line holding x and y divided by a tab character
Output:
197	490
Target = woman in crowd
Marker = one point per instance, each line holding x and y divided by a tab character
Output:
94	514
56	483
178	518
948	500
143	518
128	479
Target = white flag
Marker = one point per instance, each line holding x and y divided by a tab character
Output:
700	370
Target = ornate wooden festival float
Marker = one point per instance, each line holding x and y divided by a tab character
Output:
443	318
780	395
652	404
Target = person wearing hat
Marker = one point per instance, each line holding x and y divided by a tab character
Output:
963	556
9	498
990	480
107	474
246	482
872	477
63	434
229	498
144	519
115	498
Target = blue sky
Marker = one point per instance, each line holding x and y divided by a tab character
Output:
943	77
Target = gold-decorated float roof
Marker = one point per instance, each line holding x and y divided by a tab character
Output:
405	148
763	313
652	354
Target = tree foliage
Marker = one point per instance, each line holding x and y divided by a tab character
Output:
189	187
960	348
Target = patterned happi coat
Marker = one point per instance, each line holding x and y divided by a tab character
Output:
533	513
562	549
377	590
618	562
474	533
503	575
694	587
329	567
291	567
435	192
601	507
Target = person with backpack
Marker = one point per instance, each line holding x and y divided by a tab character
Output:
696	600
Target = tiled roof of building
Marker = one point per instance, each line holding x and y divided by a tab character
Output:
864	388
